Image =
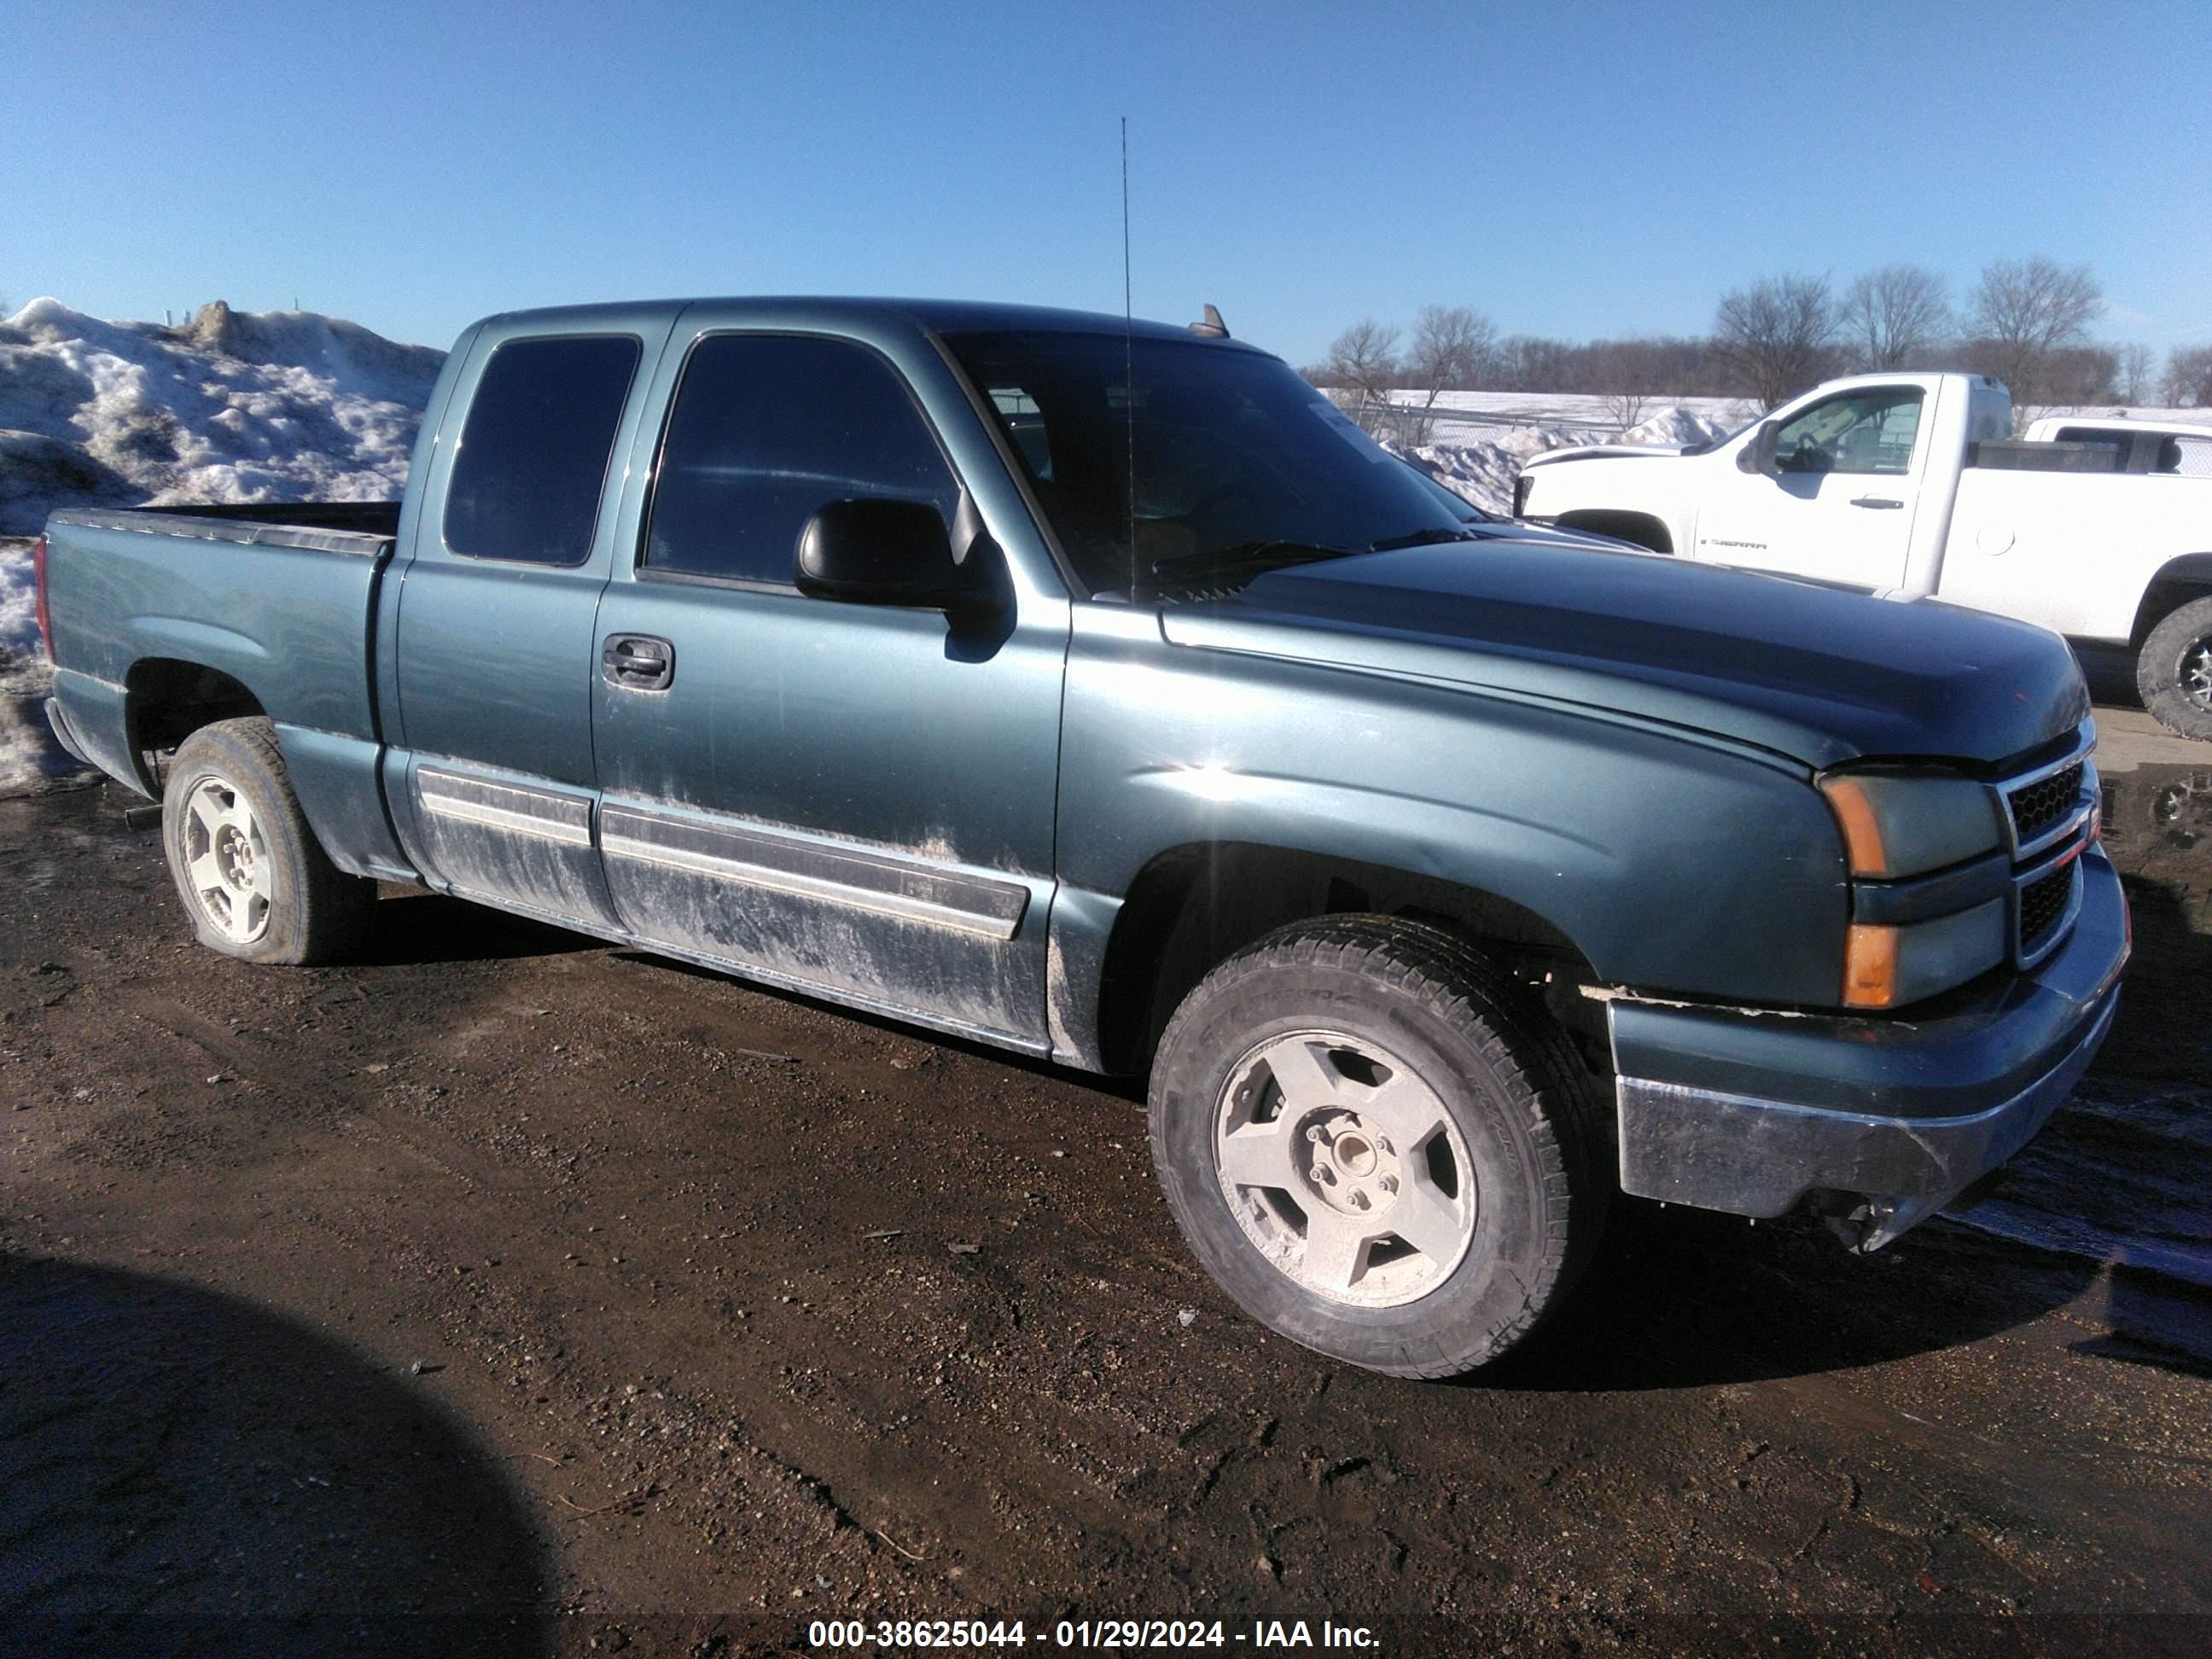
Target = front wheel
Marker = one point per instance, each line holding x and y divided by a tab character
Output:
255	882
1377	1147
2173	671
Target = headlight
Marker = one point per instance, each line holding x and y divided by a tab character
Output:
1897	826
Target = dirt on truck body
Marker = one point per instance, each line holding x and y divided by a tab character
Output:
512	1293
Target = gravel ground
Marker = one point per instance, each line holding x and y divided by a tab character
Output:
510	1293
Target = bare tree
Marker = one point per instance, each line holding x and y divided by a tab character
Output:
2135	379
2188	382
1892	318
2025	313
1450	349
1451	346
1628	375
1363	362
1775	335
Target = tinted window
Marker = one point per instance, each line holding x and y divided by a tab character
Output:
1160	460
768	430
1870	431
2191	456
533	457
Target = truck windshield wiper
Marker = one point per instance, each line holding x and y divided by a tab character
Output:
1422	539
1242	558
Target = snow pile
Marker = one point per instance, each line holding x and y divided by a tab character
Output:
1678	429
28	755
1483	468
232	407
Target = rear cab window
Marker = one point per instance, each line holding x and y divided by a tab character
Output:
531	466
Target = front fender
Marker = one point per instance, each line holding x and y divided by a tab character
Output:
1674	862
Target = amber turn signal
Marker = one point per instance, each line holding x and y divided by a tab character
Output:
1855	814
1870	966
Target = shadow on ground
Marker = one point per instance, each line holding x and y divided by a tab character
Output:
1681	1299
186	1474
414	928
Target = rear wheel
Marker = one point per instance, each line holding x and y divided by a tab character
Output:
2173	671
1377	1146
255	882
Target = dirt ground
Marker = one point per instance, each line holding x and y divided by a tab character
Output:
509	1293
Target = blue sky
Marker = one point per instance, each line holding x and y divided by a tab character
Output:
1571	169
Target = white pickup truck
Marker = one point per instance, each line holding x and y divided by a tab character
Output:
1912	486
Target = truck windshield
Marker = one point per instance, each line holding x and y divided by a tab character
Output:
1238	465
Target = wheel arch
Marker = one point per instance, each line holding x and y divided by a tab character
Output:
1192	906
2177	582
1644	529
166	699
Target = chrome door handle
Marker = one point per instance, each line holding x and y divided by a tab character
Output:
1875	501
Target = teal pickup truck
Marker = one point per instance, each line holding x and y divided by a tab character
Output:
1098	691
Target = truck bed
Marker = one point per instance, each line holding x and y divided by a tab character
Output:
272	606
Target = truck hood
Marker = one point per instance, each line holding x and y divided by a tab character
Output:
1605	452
1813	673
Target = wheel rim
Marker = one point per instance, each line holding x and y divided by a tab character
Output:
1344	1168
2195	674
226	861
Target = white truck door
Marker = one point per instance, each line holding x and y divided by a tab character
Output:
1839	505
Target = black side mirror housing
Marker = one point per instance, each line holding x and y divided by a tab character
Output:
1758	455
881	552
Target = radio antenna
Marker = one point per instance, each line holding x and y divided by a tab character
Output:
1129	359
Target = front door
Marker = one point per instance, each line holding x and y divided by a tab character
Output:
1841	507
836	796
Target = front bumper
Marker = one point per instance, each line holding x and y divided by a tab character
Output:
1752	1112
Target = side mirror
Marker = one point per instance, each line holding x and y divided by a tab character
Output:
1758	455
880	551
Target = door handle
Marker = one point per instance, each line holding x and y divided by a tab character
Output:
638	662
1875	501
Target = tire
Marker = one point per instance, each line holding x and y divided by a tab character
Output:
1498	1173
254	880
2173	671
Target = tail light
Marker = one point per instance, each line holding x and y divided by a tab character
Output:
39	585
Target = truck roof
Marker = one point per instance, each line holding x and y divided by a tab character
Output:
927	316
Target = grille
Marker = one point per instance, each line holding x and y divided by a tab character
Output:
2039	806
2042	903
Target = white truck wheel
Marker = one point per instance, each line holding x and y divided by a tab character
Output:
2173	671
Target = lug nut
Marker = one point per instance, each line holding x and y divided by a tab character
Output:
1323	1174
1358	1198
1388	1183
1381	1146
1315	1135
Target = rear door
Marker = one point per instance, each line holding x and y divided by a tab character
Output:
1841	508
492	784
842	797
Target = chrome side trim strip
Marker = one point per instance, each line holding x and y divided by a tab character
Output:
541	813
855	878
